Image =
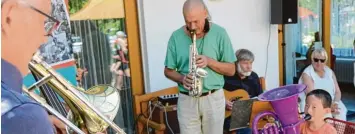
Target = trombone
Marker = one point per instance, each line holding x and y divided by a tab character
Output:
83	111
52	110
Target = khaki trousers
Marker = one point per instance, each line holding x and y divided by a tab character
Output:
203	115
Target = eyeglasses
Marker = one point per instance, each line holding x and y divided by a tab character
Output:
51	24
317	60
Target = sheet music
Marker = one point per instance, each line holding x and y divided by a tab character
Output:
241	112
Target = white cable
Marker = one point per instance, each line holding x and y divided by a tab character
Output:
267	52
166	119
268	44
150	115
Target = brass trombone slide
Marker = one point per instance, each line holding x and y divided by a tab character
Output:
52	74
52	110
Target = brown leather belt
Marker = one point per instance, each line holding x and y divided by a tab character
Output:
203	94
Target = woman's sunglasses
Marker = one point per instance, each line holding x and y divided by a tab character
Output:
317	60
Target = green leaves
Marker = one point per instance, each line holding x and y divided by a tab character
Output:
107	26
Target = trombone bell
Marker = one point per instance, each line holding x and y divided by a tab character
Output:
80	102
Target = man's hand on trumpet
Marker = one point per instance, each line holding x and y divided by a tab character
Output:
187	81
201	61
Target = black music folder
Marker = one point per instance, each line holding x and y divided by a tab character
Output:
241	113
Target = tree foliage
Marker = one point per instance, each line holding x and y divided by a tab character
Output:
110	26
311	5
107	26
76	5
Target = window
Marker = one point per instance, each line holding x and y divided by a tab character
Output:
100	46
343	28
310	22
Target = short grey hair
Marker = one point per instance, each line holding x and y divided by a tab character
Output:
320	51
244	55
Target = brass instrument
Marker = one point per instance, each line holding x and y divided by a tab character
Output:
83	113
197	73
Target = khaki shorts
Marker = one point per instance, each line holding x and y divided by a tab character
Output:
201	115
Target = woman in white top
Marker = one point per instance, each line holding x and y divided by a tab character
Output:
319	76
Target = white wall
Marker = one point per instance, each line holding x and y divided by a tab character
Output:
246	21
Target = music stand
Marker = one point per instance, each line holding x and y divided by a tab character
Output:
241	112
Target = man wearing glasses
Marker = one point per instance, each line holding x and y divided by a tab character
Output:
22	28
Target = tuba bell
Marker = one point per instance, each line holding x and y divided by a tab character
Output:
286	115
92	110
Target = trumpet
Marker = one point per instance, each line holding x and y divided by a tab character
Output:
197	73
82	114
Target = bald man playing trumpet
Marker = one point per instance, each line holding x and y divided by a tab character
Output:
203	114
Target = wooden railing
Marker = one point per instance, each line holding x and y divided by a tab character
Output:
141	108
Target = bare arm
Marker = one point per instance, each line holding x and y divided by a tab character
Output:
337	96
173	75
123	58
308	82
223	68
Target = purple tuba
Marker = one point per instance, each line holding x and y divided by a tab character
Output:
284	102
